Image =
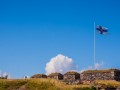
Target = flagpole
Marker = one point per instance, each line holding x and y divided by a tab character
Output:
94	46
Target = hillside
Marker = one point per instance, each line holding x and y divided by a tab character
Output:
38	84
49	84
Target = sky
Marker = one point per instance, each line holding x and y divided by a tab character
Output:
32	32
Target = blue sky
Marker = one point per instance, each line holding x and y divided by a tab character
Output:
34	31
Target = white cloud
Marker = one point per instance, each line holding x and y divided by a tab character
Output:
96	66
60	64
3	74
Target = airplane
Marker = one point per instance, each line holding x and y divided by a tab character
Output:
102	30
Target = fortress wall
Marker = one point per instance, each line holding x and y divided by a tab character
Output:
86	76
72	78
117	75
96	76
91	75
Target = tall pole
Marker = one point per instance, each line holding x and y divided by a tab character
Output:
94	46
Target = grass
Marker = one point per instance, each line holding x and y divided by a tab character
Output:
39	84
54	74
11	84
39	76
107	83
51	84
99	71
71	73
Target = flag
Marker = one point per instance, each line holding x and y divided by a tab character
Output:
101	30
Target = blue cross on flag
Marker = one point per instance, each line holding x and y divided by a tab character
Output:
101	30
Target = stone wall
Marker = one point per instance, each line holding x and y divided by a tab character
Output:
57	76
117	75
72	77
84	77
91	75
53	77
